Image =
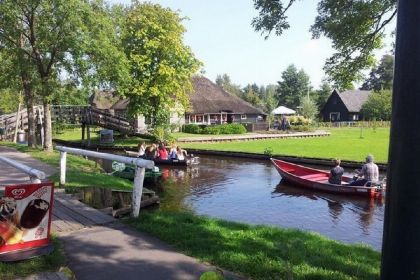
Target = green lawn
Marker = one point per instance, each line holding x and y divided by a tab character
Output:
344	143
261	252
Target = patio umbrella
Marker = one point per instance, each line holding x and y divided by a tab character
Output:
283	111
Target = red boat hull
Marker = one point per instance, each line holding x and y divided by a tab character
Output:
318	180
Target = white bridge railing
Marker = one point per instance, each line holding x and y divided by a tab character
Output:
35	175
140	164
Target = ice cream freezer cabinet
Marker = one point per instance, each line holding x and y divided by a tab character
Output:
25	221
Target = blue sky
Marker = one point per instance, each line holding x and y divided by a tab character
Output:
220	34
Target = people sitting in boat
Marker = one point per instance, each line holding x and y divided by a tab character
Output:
173	152
368	174
336	173
180	153
162	152
150	152
142	149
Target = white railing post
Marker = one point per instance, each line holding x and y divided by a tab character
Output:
63	161
34	175
137	191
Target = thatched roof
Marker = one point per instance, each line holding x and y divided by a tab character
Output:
354	99
208	97
103	99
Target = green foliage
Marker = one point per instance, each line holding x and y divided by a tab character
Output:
191	128
162	134
161	65
322	94
355	27
9	101
268	151
261	252
378	106
292	87
308	108
299	120
229	128
381	77
225	82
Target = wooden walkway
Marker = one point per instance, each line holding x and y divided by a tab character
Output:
253	136
69	215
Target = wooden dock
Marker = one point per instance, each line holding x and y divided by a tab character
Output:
251	136
70	215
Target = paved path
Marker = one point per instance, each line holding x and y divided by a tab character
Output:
101	248
10	175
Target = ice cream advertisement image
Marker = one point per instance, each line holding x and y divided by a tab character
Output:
25	216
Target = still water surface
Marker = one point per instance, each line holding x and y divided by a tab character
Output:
250	191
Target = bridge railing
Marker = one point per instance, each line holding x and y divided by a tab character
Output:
35	175
140	165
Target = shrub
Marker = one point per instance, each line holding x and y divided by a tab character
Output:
211	130
301	128
161	134
268	151
192	128
232	128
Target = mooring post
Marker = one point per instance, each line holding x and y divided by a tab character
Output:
63	161
401	242
137	191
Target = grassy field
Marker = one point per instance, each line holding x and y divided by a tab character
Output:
261	252
344	143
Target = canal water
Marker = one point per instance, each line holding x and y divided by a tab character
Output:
251	191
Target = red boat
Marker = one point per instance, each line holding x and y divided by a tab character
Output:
318	180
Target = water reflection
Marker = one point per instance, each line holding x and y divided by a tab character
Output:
249	191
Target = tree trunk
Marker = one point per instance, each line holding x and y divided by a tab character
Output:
29	100
47	127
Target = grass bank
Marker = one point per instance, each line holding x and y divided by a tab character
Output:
261	252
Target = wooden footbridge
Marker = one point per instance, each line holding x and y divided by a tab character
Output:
85	116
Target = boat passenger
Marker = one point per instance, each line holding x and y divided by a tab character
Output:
149	153
172	152
368	174
180	153
142	149
162	152
336	173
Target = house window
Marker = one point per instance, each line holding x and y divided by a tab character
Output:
243	117
355	117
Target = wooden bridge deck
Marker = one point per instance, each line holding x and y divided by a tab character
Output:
70	215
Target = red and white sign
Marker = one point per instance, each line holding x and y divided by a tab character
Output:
25	216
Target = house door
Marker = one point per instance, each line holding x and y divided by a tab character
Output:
229	118
335	116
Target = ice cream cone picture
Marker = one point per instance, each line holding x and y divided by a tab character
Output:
9	232
8	209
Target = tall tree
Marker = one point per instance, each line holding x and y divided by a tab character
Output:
378	106
161	64
322	94
381	77
226	83
355	27
52	36
292	87
270	102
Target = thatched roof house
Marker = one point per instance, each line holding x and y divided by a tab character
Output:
211	104
345	106
103	99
